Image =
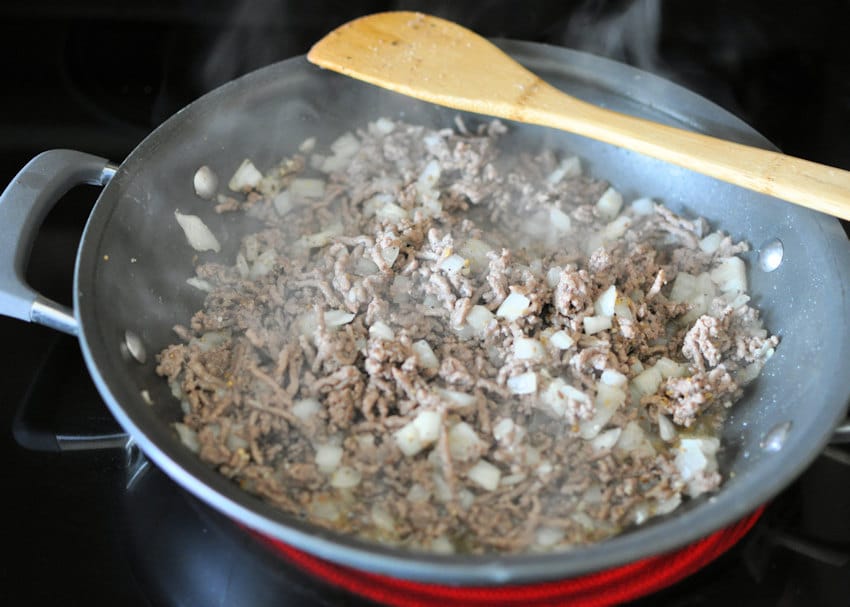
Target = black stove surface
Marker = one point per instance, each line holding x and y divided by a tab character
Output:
104	528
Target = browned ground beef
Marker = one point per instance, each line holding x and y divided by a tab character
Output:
538	416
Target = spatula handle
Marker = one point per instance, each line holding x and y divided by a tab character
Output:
809	184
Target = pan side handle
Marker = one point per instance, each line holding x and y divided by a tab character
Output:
23	206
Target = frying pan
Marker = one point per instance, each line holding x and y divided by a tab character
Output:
133	261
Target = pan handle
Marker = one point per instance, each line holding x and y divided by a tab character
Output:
841	435
23	206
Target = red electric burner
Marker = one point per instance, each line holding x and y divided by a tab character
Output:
611	587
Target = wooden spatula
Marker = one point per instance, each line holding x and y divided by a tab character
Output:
439	61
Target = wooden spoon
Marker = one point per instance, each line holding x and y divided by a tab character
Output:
439	61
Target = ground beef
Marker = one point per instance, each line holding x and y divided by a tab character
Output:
422	347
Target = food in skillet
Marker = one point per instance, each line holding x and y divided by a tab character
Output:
439	344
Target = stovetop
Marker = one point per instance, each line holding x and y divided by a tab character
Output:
104	527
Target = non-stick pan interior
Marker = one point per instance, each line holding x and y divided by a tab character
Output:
134	262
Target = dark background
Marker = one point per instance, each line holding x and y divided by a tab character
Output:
99	76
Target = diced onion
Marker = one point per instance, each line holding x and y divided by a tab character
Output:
381	330
528	349
605	441
425	355
561	340
503	428
391	212
328	458
616	228
548	536
643	206
670	368
382	519
453	264
524	383
553	276
485	474
595	324
605	303
568	168
730	275
476	252
345	146
337	318
199	283
514	306
559	220
666	430
246	177
383	126
648	381
320	239
613	378
459	399
418	434
479	318
464	443
711	243
197	233
345	477
559	393
305	408
307	188
188	437
390	254
608	400
609	204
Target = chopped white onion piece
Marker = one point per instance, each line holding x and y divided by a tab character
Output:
528	349
205	182
512	479
478	318
711	243
668	505
320	239
561	340
643	206
568	168
514	306
345	477
605	441
199	283
666	430
683	287
476	252
345	146
559	393
616	228
305	408
418	494
606	302
328	458
197	233
633	441
337	318
485	474
622	309
696	457
648	381
391	212
383	126
382	519
559	220
613	378
670	368
146	396
524	383
459	399
365	267
730	275
322	507
553	276
595	324
464	443
246	177
429	177
418	434
608	400
381	330
188	437
609	204
548	536
453	264
442	545
307	146
425	355
390	254
503	428
307	188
